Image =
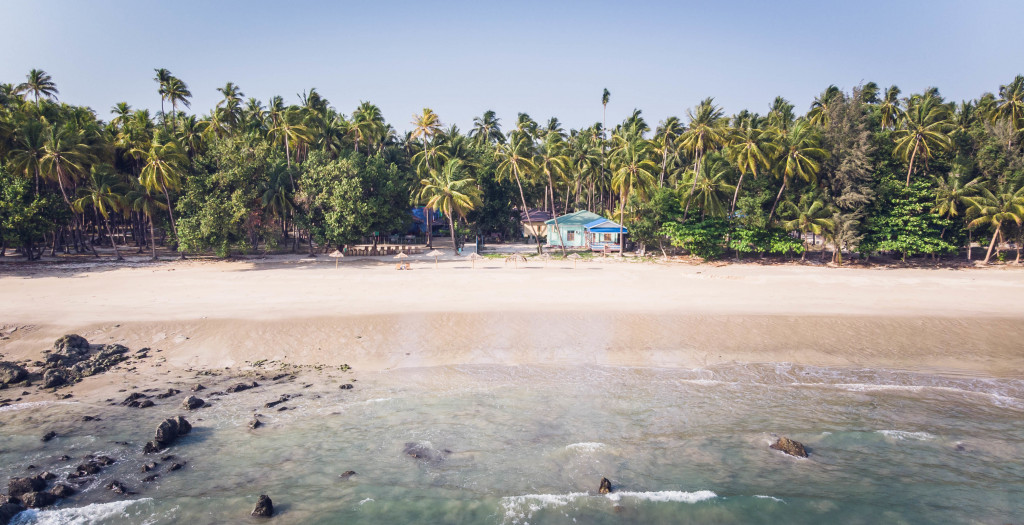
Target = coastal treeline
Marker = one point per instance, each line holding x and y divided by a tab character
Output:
868	171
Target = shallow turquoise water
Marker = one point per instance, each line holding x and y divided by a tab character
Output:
529	444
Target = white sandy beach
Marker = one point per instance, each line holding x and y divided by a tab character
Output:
366	314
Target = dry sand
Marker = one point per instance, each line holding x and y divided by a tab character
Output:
368	315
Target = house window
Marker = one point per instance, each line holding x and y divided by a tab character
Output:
570	236
607	237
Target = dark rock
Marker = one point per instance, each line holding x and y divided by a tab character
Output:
606	486
167	432
150	478
38	500
255	423
62	491
424	452
71	344
8	511
168	457
176	466
118	487
30	467
90	418
282	409
49	435
793	448
198	387
137	400
54	377
47	476
347	474
240	387
18	486
65	457
192	403
87	469
11	373
346	386
145	403
280	400
152	465
169	393
104	461
278	377
264	507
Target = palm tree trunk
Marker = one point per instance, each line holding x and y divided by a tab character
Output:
622	220
152	238
522	196
736	194
689	196
911	167
993	243
555	214
113	242
451	222
777	197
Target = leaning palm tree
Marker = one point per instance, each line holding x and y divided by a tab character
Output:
451	191
809	215
289	130
819	114
800	156
163	171
634	172
668	132
1010	106
923	129
552	161
515	163
39	84
995	207
104	193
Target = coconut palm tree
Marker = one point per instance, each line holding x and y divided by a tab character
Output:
161	78
706	132
889	108
552	161
800	156
515	163
818	116
425	126
633	172
29	148
103	192
713	189
995	207
809	215
122	112
923	129
177	92
142	200
487	129
39	84
66	156
668	132
750	151
367	124
451	191
163	170
289	130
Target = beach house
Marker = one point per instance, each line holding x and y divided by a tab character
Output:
584	229
534	222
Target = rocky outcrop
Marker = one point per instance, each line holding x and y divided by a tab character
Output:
241	387
48	436
255	423
54	378
264	507
137	400
789	446
171	392
8	511
11	373
71	344
38	500
17	487
192	403
606	486
69	361
167	432
118	487
61	490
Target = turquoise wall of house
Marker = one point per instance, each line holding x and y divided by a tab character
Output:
578	238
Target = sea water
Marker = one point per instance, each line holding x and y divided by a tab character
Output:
530	444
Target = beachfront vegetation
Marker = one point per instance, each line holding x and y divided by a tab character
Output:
861	172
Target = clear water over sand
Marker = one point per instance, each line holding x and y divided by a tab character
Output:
529	444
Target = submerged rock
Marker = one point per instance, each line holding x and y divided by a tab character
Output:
38	500
280	400
49	435
793	448
347	474
606	486
62	491
118	487
8	511
424	452
192	403
11	373
18	486
264	507
255	423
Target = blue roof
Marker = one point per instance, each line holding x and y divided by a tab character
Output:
603	225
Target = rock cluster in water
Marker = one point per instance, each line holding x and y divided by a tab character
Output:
167	433
264	507
71	359
789	446
606	486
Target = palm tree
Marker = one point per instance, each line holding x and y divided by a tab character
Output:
800	156
889	109
1010	106
705	133
142	200
65	157
750	151
994	208
712	188
162	77
810	215
367	124
818	115
163	171
515	163
487	129
122	112
28	151
39	83
425	126
552	161
177	92
450	191
633	172
103	193
668	131
288	130
923	129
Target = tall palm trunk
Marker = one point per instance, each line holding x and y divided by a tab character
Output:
693	187
451	223
152	238
736	194
912	156
515	171
113	242
776	203
992	244
554	213
622	219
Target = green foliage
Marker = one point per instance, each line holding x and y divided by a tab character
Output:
705	239
24	217
902	221
764	241
648	217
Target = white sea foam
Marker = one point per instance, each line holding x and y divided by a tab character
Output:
518	509
76	515
367	500
585	447
665	496
33	404
773	498
902	435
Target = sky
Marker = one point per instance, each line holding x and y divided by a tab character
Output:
548	58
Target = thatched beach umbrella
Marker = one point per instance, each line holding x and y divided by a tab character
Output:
575	257
474	256
544	257
337	255
516	259
435	254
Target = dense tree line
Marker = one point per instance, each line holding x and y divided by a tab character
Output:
867	172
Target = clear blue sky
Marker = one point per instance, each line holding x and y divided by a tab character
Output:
549	58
